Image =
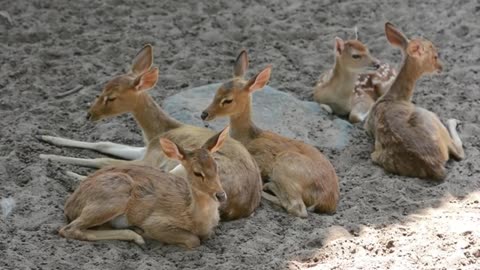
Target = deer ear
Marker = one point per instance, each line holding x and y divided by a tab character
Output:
415	49
339	46
216	142
260	80
143	60
395	36
241	64
147	80
172	150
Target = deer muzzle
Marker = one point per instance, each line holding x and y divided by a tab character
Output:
204	115
221	196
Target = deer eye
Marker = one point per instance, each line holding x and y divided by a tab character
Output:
227	101
197	174
108	99
356	56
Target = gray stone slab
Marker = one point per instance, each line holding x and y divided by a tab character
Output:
273	110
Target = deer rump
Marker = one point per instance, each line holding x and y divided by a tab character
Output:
406	138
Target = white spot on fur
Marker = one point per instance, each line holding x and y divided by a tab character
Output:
7	206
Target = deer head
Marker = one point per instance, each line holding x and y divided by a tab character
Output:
354	56
233	96
421	51
117	95
200	167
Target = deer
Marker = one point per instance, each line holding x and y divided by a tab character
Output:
410	140
355	82
127	93
297	174
130	202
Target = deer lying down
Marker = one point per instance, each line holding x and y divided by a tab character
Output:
239	173
300	176
355	82
164	207
410	140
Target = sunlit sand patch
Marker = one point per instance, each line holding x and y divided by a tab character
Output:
419	240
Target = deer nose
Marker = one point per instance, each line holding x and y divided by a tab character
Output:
221	196
204	115
376	64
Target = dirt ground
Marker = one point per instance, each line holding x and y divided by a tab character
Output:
383	221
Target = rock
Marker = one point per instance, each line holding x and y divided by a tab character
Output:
390	244
273	110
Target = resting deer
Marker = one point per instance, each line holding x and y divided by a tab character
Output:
410	140
239	173
355	82
300	176
165	207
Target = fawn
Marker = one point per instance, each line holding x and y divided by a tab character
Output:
300	176
410	140
239	173
355	82
165	207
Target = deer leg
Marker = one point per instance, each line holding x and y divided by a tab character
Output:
361	107
96	216
173	236
326	108
86	162
292	203
269	197
75	175
377	154
97	235
179	170
357	116
109	148
127	235
455	148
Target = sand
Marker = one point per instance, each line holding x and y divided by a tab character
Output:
383	221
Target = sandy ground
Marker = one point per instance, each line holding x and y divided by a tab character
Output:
383	221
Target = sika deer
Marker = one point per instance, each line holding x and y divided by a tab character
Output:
410	140
163	206
238	171
355	82
300	176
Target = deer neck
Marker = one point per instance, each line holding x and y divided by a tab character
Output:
201	207
151	118
404	84
343	80
242	127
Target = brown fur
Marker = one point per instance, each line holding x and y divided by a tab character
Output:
239	172
410	140
357	45
162	206
298	174
353	85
